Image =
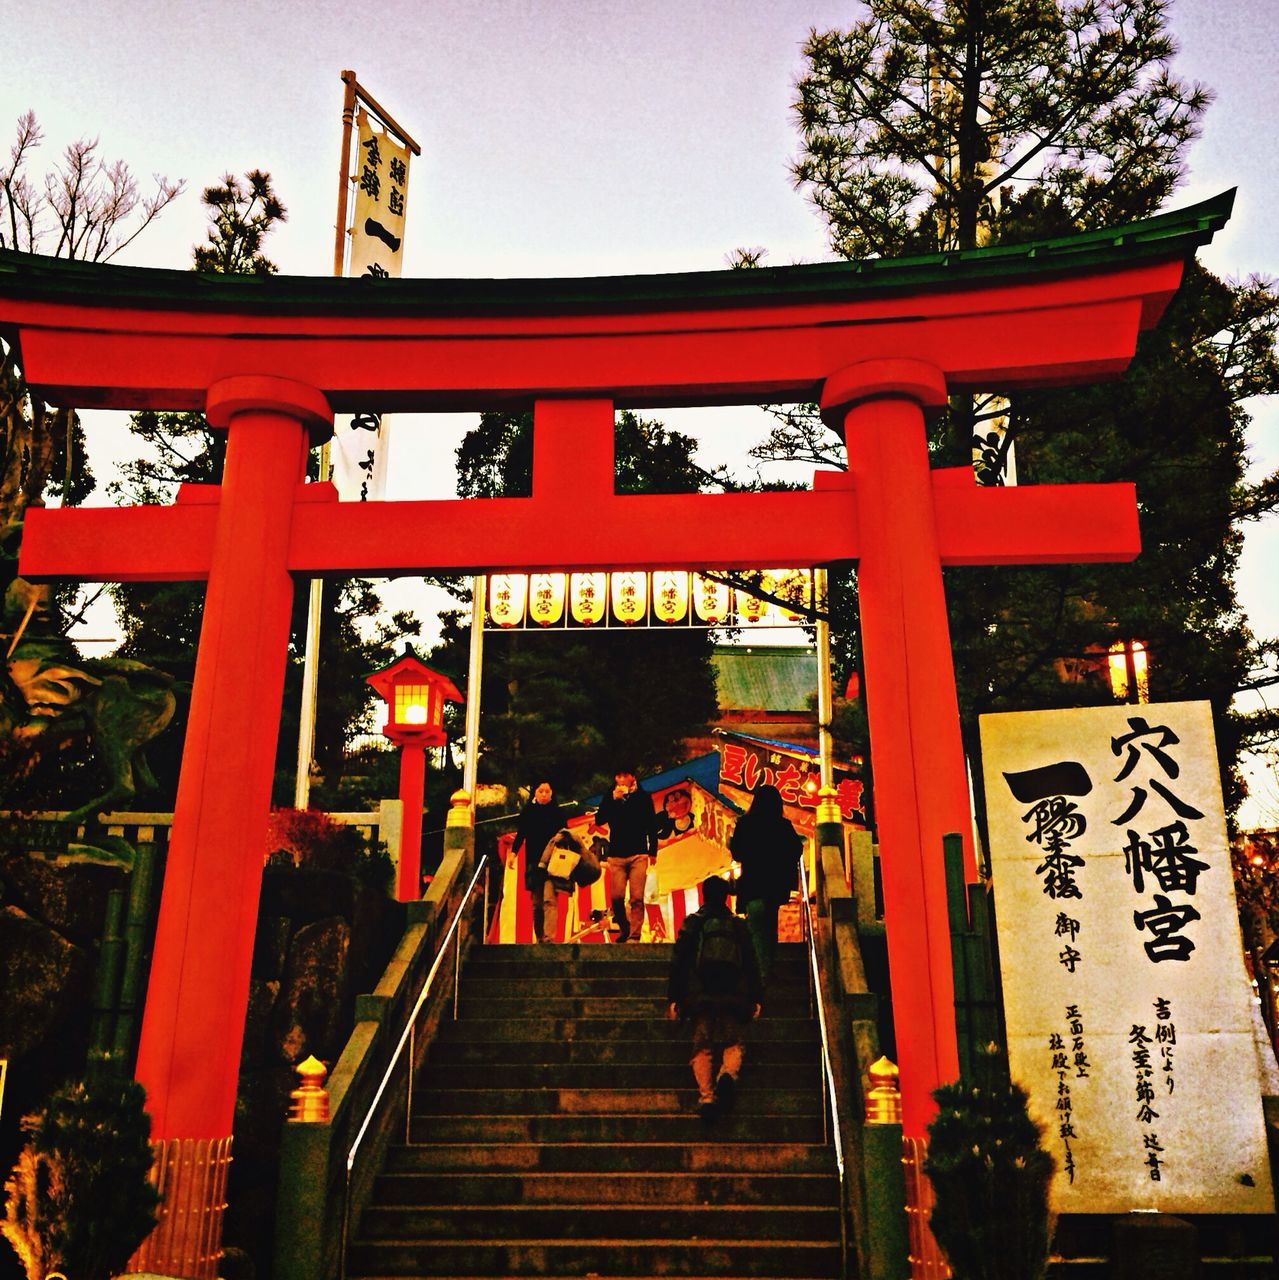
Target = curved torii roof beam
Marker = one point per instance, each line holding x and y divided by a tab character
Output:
1040	314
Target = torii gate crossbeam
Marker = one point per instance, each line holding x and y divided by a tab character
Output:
880	344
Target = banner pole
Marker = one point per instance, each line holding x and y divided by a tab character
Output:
311	655
474	674
823	679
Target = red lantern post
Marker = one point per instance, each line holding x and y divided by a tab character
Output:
415	697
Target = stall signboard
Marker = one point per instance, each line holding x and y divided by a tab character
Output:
1130	1017
746	764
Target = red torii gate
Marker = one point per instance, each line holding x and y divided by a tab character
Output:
879	343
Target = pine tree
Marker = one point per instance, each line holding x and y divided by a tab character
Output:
940	124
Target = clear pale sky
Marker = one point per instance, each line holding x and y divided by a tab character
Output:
558	138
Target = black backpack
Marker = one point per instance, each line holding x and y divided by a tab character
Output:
719	966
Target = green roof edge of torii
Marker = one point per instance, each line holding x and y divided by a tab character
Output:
58	280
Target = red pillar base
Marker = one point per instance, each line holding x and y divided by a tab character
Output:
191	1176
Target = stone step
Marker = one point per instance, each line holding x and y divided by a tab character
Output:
537	960
694	1151
619	1129
451	1051
509	986
635	1072
610	1256
474	1026
503	1008
608	1101
451	1221
615	1188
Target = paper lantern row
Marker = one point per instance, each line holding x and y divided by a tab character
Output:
628	598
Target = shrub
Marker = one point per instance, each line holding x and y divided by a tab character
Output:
79	1200
990	1176
310	838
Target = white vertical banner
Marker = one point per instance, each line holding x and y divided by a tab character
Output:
1129	1011
361	444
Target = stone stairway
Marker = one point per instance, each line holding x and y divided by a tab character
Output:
554	1134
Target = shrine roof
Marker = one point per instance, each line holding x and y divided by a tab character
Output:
1164	236
764	678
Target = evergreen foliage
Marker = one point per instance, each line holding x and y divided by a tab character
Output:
990	1176
917	118
79	1200
242	216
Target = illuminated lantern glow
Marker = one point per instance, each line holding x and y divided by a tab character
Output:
630	597
507	595
710	599
1128	664
546	598
588	597
795	585
412	705
670	595
751	609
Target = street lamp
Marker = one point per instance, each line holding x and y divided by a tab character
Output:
415	697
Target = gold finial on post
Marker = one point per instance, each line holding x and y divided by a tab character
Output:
310	1101
828	805
461	813
883	1098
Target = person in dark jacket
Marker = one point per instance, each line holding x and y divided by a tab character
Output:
720	1001
627	812
538	823
768	849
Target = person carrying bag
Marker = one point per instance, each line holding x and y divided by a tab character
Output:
567	864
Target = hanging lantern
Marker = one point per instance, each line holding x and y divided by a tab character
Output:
751	609
710	600
630	597
670	595
507	595
546	598
588	597
795	585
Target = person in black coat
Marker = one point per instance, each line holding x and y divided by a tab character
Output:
540	820
627	812
768	849
719	996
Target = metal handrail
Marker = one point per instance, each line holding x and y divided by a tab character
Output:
407	1038
828	1074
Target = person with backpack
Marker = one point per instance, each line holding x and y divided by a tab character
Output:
768	849
715	983
540	820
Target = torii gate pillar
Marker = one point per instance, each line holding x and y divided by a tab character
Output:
189	1057
921	787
